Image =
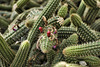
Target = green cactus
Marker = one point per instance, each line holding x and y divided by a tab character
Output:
3	63
62	12
5	7
6	53
91	15
82	29
47	12
72	4
55	21
92	61
16	35
33	55
73	39
72	10
19	4
83	50
21	54
50	56
92	3
46	44
66	22
96	25
81	9
3	24
65	32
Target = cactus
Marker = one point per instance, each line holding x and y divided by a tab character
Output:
3	23
72	4
46	44
83	50
72	10
33	55
47	12
96	25
91	15
16	35
81	9
5	7
3	63
66	22
55	21
63	11
19	4
65	32
7	54
92	3
73	39
92	61
82	29
50	56
57	33
21	54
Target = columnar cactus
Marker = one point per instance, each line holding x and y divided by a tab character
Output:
19	4
21	54
91	15
92	3
73	39
82	29
47	12
83	50
65	32
16	35
81	9
63	11
6	53
92	61
96	25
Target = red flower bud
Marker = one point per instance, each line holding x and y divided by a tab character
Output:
48	33
41	29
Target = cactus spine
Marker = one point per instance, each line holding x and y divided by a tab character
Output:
82	29
47	12
21	54
6	52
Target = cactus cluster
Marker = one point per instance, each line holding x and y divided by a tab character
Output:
49	33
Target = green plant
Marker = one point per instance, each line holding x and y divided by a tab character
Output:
21	54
